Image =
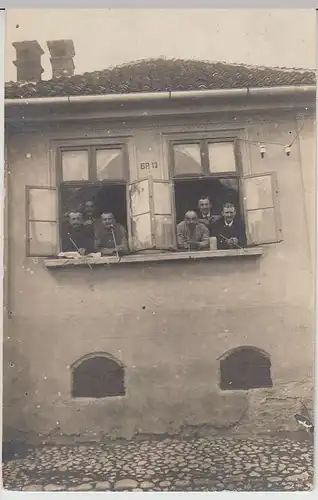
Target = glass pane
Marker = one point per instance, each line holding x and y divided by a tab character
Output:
162	192
258	192
164	231
139	197
110	164
75	165
187	159
141	231
42	204
42	238
221	157
262	226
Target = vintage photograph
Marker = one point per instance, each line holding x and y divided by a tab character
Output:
159	250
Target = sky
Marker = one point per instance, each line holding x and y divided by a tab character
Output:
107	37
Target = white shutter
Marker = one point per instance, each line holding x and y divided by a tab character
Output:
152	221
262	214
42	227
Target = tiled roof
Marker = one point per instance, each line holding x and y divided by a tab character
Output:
157	75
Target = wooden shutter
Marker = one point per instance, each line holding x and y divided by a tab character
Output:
262	215
42	228
152	219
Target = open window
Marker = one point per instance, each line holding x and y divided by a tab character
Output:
96	176
150	209
212	169
206	169
152	214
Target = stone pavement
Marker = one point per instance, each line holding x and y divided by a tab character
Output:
258	464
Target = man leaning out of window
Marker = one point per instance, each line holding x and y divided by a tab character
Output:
76	236
192	234
110	237
229	230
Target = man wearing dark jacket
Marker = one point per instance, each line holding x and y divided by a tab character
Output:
76	236
205	214
110	237
229	231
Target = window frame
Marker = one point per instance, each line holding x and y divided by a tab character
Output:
204	139
204	142
91	146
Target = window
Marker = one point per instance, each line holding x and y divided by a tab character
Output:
206	169
204	157
245	368
149	209
98	375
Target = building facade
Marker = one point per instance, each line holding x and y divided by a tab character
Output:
150	343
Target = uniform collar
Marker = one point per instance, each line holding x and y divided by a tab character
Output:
229	224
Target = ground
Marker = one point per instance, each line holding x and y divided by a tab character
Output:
202	464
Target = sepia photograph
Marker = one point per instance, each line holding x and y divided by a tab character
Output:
159	250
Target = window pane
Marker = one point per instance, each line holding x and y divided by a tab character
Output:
164	231
110	164
139	197
141	232
262	226
75	165
187	159
42	238
258	192
221	157
42	204
162	197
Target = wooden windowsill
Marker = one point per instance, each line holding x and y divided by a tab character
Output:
153	257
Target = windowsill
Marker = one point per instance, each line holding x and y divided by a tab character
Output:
153	257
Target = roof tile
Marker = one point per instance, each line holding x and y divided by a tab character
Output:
155	75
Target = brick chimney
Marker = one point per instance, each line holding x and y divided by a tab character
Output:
62	53
28	62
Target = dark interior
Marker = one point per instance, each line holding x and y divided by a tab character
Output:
245	369
107	197
98	377
220	191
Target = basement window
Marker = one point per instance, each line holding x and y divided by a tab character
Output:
245	368
97	376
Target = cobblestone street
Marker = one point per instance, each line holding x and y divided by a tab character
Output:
167	465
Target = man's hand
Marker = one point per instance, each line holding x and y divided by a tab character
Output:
82	251
232	242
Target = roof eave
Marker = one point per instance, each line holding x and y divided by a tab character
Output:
283	91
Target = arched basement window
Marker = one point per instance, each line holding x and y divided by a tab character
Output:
97	376
245	368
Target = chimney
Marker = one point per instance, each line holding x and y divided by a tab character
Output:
62	53
28	62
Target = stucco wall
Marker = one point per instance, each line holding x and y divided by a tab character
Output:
194	311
